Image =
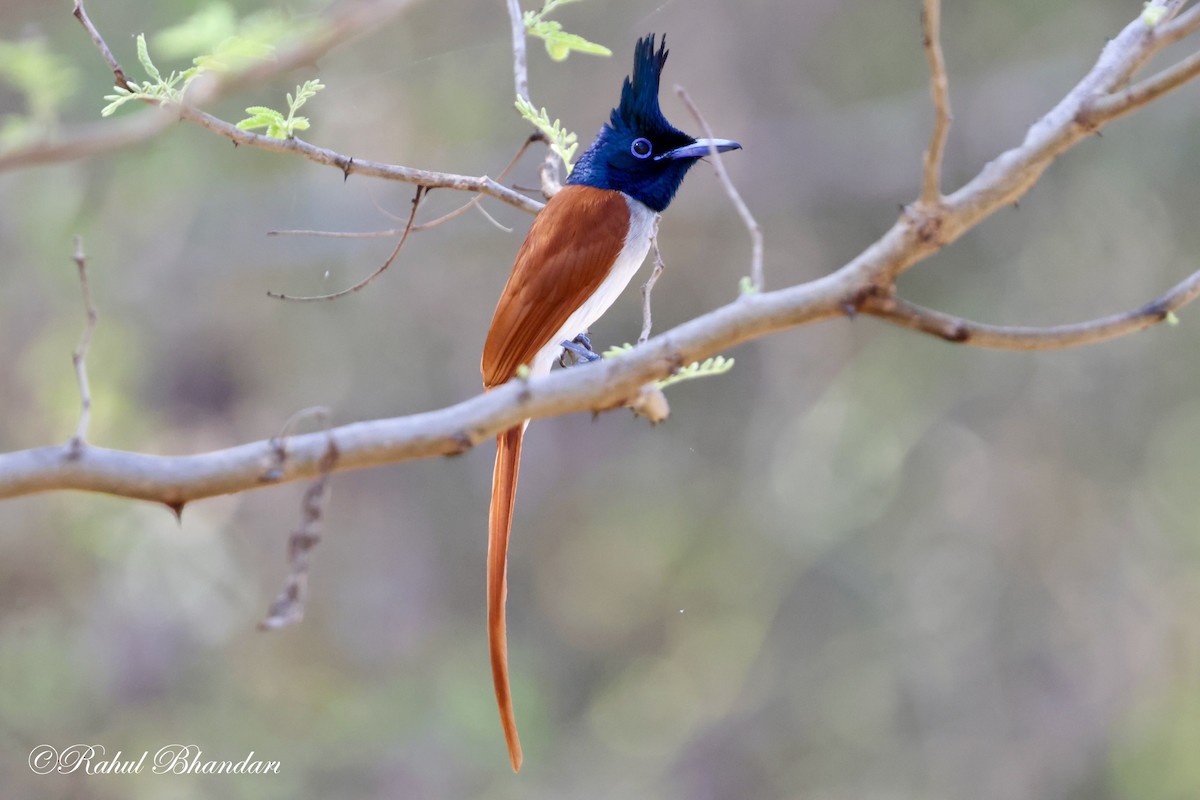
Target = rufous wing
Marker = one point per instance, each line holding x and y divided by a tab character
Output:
569	250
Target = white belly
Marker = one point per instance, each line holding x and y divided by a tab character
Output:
637	244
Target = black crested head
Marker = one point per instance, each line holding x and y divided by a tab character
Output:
638	152
639	94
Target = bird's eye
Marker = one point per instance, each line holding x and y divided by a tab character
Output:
641	148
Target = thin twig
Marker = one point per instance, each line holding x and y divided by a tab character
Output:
79	356
416	202
424	226
648	287
112	135
756	237
931	24
354	166
1015	337
552	165
1145	91
118	73
488	216
520	70
288	607
1173	30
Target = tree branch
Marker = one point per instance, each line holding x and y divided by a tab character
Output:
866	282
362	284
80	14
552	165
353	21
1011	337
931	23
520	70
1146	91
80	354
648	286
735	197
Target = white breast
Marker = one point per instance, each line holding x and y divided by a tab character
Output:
637	244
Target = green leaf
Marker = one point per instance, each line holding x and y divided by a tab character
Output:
278	126
143	55
559	43
117	102
717	365
562	142
259	121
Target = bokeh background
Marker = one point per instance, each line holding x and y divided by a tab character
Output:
864	564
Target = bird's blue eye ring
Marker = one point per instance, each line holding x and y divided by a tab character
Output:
641	148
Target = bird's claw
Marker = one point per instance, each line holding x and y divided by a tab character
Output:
579	349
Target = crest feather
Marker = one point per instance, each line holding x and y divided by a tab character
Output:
639	94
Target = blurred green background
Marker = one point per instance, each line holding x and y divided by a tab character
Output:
865	564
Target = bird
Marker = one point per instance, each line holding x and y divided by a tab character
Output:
582	250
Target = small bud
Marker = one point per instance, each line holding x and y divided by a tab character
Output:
1152	15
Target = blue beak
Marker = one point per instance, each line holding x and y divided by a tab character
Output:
699	149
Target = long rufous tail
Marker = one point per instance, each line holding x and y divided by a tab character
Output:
504	491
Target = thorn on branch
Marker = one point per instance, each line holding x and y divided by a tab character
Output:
79	356
462	443
1157	310
288	607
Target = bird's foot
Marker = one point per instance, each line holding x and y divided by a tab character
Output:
578	350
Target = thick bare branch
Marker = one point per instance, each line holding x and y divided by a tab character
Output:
609	383
865	282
